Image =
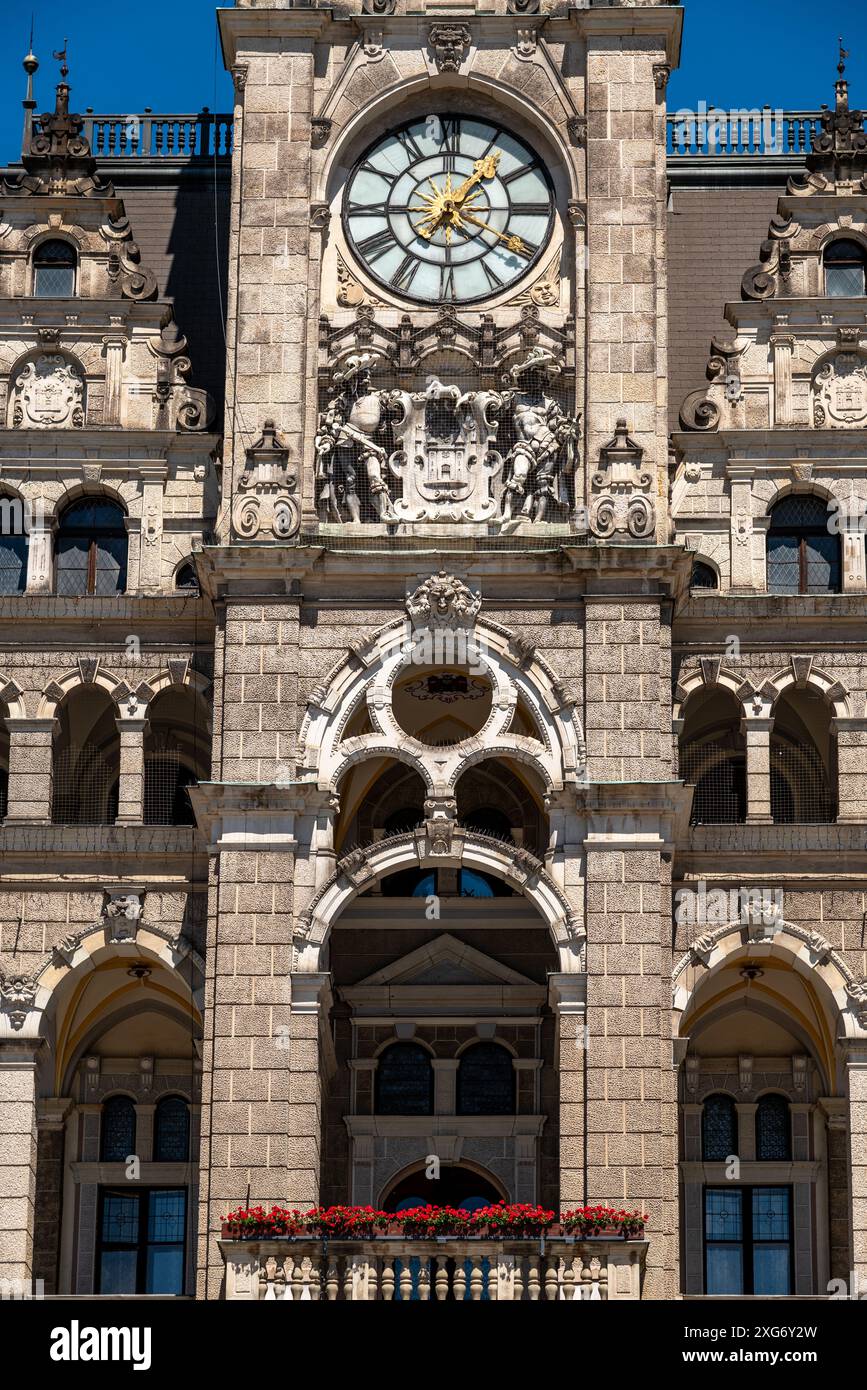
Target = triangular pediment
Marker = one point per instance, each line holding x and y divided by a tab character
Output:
446	961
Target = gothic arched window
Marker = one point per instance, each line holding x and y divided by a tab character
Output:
91	549
117	1138
404	1081
186	577
803	553
486	1081
703	576
172	1130
719	1130
773	1128
845	269
54	266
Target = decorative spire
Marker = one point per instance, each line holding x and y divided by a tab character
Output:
838	159
57	158
30	66
60	55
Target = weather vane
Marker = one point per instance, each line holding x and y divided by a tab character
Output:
60	55
844	54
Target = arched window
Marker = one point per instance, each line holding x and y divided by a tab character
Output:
404	1081
719	1130
117	1138
803	757
172	1130
13	547
803	554
91	549
186	577
86	760
399	822
703	576
845	269
712	758
773	1128
488	820
54	264
486	1081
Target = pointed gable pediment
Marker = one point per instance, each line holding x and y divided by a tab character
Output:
445	961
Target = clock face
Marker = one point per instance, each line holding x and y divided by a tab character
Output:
448	208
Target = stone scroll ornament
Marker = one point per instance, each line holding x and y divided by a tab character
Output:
48	393
622	505
266	507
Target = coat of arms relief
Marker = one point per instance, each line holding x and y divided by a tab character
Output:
840	392
48	393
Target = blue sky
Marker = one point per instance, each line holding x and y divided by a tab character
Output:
736	53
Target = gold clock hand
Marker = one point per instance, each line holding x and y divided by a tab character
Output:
482	169
513	242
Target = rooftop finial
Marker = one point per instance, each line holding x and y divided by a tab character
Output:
844	54
30	65
60	55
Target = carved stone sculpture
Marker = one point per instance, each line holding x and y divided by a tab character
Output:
443	601
542	457
345	443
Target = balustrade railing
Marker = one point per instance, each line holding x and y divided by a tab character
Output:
387	1270
761	132
145	135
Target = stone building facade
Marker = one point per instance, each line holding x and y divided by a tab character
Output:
450	746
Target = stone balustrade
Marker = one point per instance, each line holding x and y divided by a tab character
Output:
403	1270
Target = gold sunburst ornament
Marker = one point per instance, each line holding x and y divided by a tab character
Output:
448	209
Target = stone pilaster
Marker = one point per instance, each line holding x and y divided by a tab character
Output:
130	799
568	1000
856	1072
757	733
851	762
30	768
18	1148
51	1115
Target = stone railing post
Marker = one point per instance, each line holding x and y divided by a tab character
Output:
31	769
568	999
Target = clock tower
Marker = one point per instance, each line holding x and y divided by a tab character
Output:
443	579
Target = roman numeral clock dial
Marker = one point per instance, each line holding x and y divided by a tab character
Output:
448	208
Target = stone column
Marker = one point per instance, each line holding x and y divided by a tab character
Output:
854	568
851	762
30	769
856	1069
39	569
150	576
782	345
114	344
51	1116
743	579
445	1070
757	732
746	1113
130	797
18	1061
567	997
144	1131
